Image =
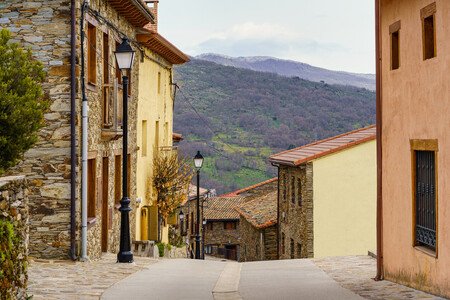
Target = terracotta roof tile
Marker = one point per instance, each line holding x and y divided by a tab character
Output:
222	208
236	193
321	148
157	43
135	11
260	212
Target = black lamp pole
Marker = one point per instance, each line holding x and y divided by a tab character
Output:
125	56
198	162
197	229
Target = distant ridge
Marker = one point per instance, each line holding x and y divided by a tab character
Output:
292	68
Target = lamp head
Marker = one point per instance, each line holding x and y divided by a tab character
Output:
124	55
198	160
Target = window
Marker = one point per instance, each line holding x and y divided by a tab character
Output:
208	249
429	31
284	183
144	138
299	250
283	237
159	82
229	225
107	94
118	72
92	188
257	250
394	30
157	135
117	178
92	54
299	192
425	198
293	189
292	249
209	225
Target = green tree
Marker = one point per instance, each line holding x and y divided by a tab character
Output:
22	104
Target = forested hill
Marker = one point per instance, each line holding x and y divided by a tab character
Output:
293	68
246	115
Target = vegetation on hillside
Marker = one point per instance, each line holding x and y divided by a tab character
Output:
246	115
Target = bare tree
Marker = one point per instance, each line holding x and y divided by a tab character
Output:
171	177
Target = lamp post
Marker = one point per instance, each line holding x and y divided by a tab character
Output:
198	163
125	56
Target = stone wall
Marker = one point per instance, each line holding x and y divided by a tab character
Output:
296	221
14	207
219	236
257	244
44	26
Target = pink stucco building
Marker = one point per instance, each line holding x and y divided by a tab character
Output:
413	97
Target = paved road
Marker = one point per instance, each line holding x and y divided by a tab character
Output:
193	279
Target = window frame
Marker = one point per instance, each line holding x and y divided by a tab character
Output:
395	29
92	188
91	53
424	145
425	13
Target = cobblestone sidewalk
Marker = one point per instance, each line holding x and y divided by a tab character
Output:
356	273
76	280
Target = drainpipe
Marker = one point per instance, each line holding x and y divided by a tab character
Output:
379	110
73	154
84	145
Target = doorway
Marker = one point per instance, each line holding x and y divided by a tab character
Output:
105	192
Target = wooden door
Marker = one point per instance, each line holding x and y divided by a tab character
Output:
105	181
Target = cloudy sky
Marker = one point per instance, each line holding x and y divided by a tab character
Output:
337	35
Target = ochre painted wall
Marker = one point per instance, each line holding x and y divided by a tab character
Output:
344	202
155	105
416	105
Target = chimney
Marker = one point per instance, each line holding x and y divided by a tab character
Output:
153	6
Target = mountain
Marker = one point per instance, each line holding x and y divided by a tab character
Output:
292	68
238	117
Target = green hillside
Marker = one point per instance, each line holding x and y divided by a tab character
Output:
247	115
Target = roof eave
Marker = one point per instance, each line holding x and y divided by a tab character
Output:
174	56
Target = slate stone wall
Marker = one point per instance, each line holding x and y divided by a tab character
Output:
14	208
44	26
296	221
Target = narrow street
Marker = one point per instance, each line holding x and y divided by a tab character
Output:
283	279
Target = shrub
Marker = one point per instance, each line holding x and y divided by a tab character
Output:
12	267
161	247
21	101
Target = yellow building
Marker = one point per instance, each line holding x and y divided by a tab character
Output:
327	197
154	123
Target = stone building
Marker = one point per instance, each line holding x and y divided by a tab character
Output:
327	197
413	51
188	225
222	236
258	228
75	39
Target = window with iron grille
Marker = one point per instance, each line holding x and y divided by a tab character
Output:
425	198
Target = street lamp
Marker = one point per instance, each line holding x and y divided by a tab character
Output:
198	163
124	57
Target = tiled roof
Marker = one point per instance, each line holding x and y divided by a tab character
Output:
321	148
177	137
157	43
260	212
236	193
222	208
135	11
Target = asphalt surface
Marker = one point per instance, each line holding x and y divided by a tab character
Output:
209	279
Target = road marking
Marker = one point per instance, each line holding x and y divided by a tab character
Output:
227	285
